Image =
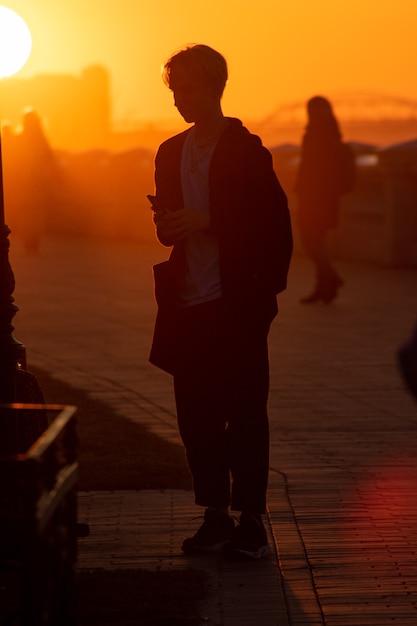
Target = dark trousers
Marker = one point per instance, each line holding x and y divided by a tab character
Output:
221	394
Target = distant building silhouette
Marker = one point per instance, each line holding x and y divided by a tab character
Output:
75	110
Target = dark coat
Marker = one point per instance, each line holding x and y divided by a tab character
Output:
250	218
318	178
248	212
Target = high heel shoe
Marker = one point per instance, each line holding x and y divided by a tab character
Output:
325	293
330	295
331	291
313	297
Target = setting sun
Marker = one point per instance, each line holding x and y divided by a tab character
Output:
15	42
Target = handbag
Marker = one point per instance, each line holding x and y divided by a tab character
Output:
407	358
165	285
165	342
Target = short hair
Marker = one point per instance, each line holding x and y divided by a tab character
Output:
201	61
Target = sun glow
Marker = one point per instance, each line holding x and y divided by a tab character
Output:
15	42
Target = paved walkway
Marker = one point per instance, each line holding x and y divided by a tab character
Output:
343	481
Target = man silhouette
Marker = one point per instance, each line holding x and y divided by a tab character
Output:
219	204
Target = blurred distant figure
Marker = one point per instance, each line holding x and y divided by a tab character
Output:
319	185
30	179
10	159
407	357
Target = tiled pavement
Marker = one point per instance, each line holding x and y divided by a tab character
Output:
343	480
145	529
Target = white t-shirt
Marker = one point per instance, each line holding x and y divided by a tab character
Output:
201	282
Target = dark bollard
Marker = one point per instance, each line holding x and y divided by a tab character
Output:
16	384
38	475
12	352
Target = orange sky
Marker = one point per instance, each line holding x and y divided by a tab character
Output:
278	50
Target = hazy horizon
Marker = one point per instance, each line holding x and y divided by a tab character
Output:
277	52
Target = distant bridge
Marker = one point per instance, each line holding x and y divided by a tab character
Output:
349	107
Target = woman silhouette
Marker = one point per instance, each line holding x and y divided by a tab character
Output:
318	190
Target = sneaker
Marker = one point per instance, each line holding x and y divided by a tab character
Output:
249	540
216	530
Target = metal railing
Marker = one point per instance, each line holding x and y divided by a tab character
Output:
38	516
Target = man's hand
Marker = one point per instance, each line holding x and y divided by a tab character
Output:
173	226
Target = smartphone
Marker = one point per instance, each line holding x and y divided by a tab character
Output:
154	202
